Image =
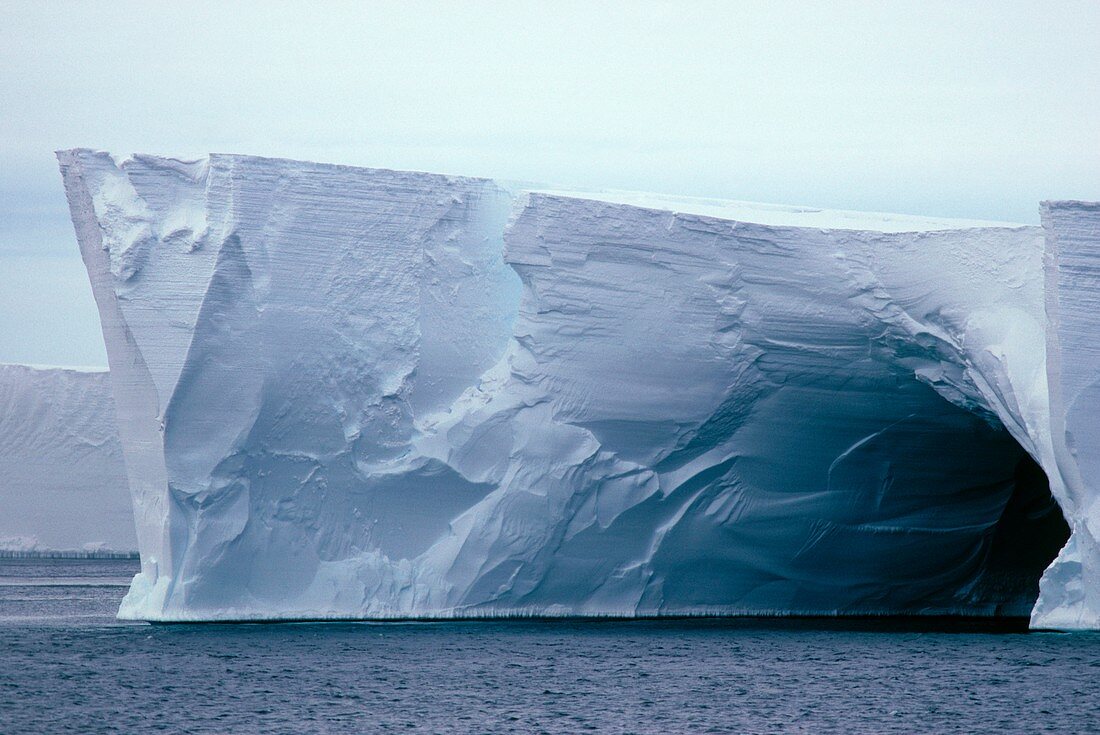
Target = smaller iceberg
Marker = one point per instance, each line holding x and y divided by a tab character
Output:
64	484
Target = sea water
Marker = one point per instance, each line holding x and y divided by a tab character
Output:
66	665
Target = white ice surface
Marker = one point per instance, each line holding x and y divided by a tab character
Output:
62	480
1070	591
778	215
337	399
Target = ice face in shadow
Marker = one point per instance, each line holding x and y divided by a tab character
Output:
338	399
752	418
64	483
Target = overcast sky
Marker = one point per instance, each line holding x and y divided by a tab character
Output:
975	109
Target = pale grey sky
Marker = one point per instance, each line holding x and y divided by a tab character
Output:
969	109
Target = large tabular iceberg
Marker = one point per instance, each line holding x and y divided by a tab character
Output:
348	392
62	478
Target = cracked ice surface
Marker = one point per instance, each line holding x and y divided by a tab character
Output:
350	392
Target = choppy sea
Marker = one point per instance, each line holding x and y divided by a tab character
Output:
66	665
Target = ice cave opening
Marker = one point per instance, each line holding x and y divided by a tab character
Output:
981	505
1027	537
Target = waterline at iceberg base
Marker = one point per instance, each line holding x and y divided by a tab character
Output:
360	393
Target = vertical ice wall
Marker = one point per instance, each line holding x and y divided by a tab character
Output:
1071	587
62	480
272	327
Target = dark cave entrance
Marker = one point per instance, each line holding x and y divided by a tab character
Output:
1025	540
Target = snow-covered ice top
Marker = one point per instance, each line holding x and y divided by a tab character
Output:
777	215
349	392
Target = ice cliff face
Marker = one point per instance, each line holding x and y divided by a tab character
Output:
1071	587
338	399
64	484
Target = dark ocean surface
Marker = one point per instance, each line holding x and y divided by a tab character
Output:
67	666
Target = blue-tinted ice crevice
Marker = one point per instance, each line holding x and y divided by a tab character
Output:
359	393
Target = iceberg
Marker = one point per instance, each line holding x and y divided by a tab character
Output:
351	393
64	483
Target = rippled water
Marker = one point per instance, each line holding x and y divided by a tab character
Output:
67	666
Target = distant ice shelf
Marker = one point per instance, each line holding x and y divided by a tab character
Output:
62	479
360	393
